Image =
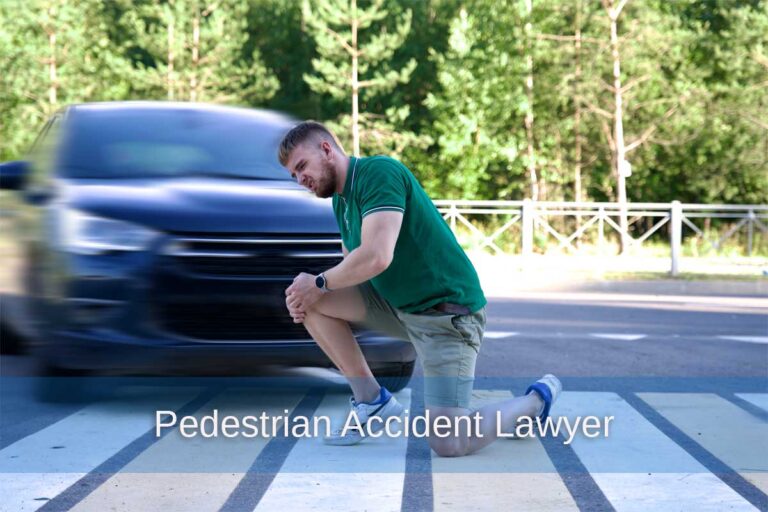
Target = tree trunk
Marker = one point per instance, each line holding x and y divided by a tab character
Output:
52	71
618	124
577	114
170	59
355	87
529	114
195	55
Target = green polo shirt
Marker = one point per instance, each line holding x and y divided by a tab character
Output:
429	266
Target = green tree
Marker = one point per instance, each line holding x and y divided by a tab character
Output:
54	53
353	64
723	156
195	52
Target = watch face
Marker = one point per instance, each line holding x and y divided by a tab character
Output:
319	281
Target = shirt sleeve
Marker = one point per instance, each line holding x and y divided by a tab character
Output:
383	187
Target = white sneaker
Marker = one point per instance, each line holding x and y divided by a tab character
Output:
386	406
548	388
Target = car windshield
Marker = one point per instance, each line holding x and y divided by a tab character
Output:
143	143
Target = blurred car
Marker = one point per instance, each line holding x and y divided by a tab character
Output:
159	237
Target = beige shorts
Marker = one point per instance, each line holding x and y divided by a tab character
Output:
446	344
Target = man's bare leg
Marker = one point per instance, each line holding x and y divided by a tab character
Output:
464	442
327	321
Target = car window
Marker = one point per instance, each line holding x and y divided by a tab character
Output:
156	158
137	143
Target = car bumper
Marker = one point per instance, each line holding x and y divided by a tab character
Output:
117	353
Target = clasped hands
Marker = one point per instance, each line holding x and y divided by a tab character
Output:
302	294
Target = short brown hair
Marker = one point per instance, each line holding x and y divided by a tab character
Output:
303	132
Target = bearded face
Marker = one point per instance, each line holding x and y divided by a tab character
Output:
312	168
326	182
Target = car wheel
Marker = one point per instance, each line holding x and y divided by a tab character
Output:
395	378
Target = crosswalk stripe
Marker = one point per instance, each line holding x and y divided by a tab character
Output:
727	431
35	471
746	339
315	476
638	467
507	471
623	337
493	335
202	471
758	399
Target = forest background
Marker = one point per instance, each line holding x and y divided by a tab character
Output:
483	99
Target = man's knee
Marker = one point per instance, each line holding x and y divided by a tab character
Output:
312	315
450	446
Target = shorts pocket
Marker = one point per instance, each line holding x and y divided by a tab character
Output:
470	327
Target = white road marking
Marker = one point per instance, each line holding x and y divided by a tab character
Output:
746	339
178	473
758	399
624	337
637	466
499	334
46	463
316	476
729	432
513	473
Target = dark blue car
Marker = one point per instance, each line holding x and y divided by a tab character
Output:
158	238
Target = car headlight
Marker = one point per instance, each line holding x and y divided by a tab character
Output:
84	233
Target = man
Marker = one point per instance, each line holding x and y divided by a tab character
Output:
405	274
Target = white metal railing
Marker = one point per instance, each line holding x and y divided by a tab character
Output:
528	217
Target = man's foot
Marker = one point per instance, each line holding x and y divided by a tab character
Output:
548	388
386	406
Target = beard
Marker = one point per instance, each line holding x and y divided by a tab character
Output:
326	184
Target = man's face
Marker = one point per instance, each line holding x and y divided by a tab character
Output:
310	166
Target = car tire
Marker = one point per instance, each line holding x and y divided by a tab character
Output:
395	378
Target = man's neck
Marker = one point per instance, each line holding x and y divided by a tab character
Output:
341	174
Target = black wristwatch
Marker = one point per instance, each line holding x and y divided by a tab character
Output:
321	283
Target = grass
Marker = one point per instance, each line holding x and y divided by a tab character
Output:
683	276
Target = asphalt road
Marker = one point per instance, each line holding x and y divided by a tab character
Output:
589	335
685	378
608	335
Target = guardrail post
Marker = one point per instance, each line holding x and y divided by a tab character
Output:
527	227
676	236
601	229
750	231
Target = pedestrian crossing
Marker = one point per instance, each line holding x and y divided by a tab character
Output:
665	451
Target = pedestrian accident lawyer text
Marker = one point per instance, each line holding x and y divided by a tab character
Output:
267	426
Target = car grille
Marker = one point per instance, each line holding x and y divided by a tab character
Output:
228	322
232	288
273	257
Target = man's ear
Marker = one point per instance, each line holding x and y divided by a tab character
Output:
327	149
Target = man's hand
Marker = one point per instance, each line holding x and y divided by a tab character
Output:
301	295
297	314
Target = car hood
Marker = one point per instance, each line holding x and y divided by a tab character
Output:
204	205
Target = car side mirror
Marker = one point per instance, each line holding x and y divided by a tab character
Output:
13	175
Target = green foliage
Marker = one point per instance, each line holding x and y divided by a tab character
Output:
194	50
372	46
444	83
54	52
476	110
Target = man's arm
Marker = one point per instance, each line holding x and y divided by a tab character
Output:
378	237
